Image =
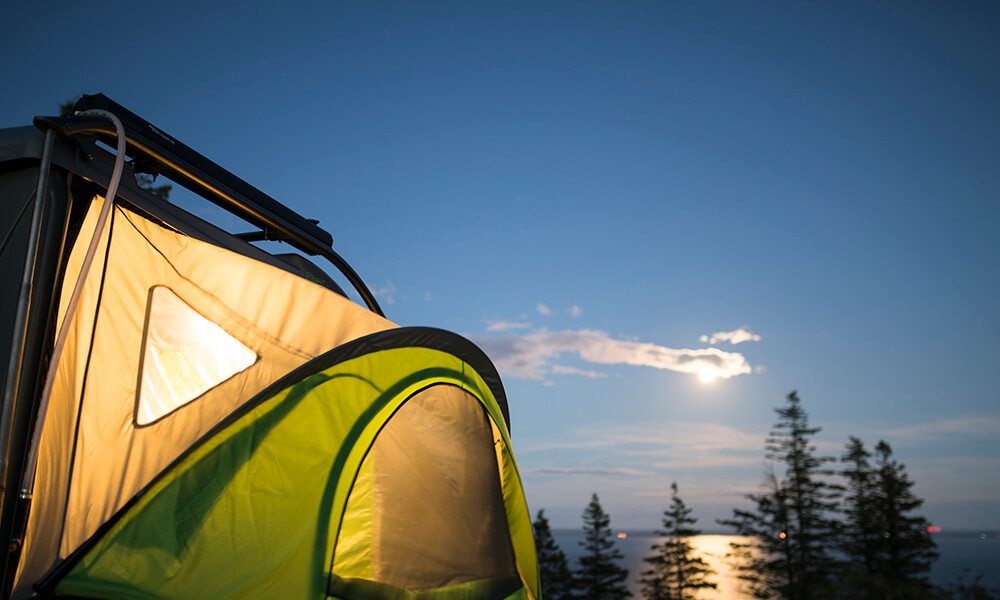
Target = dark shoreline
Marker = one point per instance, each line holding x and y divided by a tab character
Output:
964	556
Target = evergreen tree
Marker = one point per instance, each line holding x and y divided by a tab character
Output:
553	568
675	573
907	550
888	551
148	183
860	535
791	554
763	562
599	576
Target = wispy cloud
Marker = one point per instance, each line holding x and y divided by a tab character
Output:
587	471
711	489
507	325
654	452
709	461
561	370
733	337
547	311
662	439
964	426
387	292
528	356
946	478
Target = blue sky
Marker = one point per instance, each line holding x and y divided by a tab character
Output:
592	191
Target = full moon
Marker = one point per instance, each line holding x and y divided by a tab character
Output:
708	374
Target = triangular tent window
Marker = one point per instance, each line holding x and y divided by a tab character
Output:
184	355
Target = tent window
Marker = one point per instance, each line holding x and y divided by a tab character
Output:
426	511
184	355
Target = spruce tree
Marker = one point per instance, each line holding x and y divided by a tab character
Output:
675	572
907	551
553	568
791	555
599	575
888	551
762	563
861	534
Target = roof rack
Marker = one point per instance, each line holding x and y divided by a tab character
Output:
154	151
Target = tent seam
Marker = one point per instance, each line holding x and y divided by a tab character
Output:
83	387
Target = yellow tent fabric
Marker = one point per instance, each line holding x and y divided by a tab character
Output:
90	424
105	464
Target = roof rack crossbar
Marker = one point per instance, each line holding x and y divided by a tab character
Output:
197	173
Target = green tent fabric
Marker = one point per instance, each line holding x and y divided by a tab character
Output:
269	501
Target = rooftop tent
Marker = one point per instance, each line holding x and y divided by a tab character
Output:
186	415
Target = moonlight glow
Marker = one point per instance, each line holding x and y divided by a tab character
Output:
708	374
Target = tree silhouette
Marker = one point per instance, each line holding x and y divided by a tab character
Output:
907	550
66	108
763	562
790	555
675	573
860	535
599	576
888	552
553	568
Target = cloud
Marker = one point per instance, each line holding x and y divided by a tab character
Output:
663	440
387	292
507	325
709	461
528	356
668	450
712	489
586	471
982	426
544	310
733	337
561	370
947	478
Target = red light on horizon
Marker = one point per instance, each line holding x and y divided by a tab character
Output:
622	536
933	529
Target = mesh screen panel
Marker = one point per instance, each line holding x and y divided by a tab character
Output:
437	513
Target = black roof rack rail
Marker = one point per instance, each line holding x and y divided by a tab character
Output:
155	151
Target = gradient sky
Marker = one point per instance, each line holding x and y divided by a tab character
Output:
600	195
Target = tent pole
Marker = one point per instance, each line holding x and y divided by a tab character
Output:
16	395
355	279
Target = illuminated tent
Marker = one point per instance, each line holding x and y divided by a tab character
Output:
223	422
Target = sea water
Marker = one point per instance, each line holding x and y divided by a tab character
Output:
970	554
